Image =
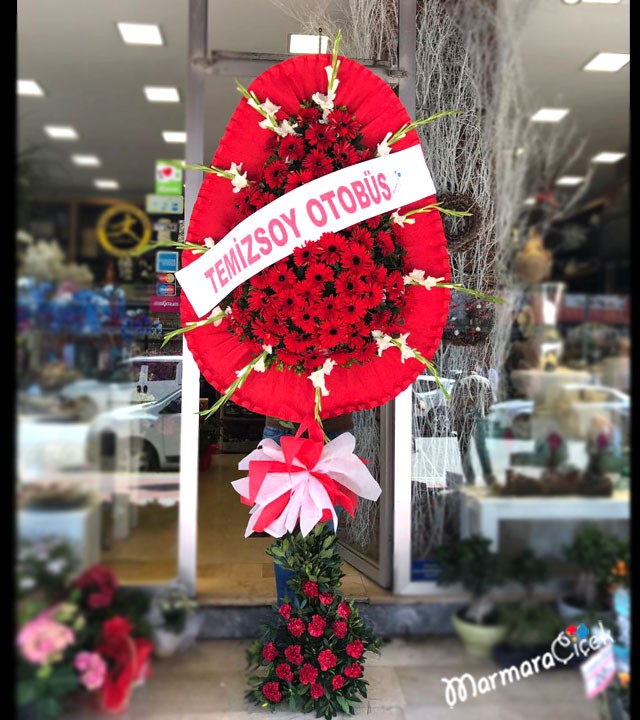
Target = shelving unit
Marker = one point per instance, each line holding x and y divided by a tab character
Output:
240	429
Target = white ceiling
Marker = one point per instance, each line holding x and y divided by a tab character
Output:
94	82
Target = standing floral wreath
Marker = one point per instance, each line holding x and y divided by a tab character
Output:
344	322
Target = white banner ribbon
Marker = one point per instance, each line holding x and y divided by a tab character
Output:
328	204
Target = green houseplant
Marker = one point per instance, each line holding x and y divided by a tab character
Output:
171	610
594	553
532	624
471	563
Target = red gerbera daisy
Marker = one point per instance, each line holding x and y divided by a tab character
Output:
308	114
320	135
275	172
308	292
348	284
297	178
319	274
330	246
345	154
357	259
304	319
318	162
304	253
291	148
332	333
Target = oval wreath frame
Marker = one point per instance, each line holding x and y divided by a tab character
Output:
218	352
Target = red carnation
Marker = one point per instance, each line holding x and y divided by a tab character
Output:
296	627
355	649
317	691
310	588
344	610
326	598
308	674
317	626
271	691
327	659
284	672
337	682
270	652
293	654
285	610
339	628
354	670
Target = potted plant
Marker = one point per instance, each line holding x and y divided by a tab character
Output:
171	611
44	568
595	553
62	510
479	570
531	623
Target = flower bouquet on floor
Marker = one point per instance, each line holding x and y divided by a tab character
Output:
90	648
311	656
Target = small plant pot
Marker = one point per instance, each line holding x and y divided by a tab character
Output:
166	643
478	639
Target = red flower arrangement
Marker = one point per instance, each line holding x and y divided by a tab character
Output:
365	304
91	647
312	654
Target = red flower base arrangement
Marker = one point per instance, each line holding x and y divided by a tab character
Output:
311	656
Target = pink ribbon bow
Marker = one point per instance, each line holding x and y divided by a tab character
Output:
301	480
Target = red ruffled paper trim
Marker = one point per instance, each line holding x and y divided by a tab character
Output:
218	352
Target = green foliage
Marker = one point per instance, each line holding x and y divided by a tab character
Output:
596	552
313	557
530	626
527	569
472	563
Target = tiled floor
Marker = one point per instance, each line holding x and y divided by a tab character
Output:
208	682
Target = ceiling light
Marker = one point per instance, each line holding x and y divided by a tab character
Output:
600	2
161	94
86	160
171	136
549	114
106	184
299	44
529	201
569	180
607	157
607	62
61	132
29	87
570	2
140	34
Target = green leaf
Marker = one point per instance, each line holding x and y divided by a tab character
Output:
346	707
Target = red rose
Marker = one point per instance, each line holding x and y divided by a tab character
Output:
296	627
99	583
284	672
354	670
326	598
271	691
270	652
310	588
337	682
293	655
355	649
339	628
327	659
317	691
344	610
317	626
285	610
308	674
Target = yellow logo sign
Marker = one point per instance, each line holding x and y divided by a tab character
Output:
124	230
